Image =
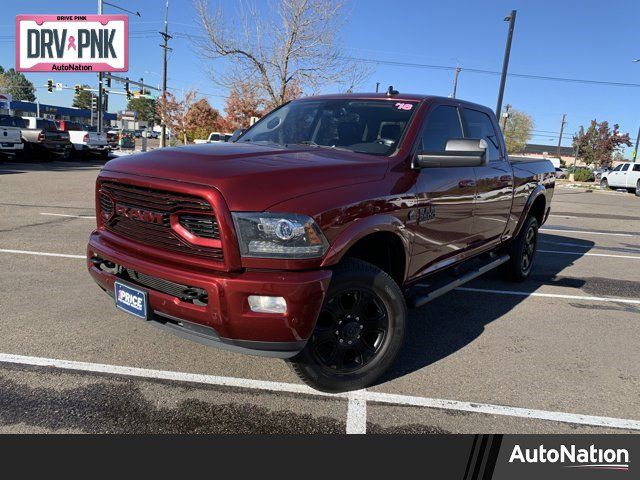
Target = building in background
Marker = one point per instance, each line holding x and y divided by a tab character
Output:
53	112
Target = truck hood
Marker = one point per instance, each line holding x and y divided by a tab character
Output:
253	177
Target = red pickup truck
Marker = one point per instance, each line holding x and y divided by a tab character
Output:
309	237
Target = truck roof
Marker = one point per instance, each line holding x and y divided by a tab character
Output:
407	97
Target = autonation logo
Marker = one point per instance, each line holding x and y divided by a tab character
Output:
590	458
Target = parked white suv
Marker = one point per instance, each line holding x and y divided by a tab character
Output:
625	175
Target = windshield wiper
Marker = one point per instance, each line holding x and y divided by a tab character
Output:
311	143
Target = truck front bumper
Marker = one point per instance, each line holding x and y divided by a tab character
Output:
219	314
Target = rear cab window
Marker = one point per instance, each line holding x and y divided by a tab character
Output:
478	124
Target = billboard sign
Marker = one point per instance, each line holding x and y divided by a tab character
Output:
72	43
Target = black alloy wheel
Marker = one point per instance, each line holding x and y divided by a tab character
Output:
359	331
350	330
530	243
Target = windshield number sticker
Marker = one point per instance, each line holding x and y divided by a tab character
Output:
404	106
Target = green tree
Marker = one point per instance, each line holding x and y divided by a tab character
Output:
144	107
599	142
517	131
16	84
83	100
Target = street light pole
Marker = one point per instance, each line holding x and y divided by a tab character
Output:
635	150
455	82
505	64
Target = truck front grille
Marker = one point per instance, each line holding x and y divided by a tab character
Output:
143	215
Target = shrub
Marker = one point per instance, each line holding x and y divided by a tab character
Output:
582	175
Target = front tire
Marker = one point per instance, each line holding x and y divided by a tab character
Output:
522	252
604	184
359	331
638	189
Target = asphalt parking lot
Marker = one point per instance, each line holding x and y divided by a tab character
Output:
556	354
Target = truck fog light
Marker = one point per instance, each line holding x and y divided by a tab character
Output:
262	304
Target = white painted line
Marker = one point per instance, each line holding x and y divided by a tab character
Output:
357	412
550	295
489	409
70	216
162	374
562	216
42	254
585	232
580	254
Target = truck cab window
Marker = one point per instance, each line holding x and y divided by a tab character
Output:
443	124
478	125
625	167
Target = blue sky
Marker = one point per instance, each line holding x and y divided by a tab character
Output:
586	39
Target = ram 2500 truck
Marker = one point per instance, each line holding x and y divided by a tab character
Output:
43	140
310	236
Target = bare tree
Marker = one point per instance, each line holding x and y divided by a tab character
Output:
292	44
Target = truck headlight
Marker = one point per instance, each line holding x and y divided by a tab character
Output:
279	235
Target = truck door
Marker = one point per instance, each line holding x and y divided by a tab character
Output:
441	219
615	178
633	177
494	192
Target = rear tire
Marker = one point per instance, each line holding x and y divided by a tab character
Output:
359	330
522	252
638	189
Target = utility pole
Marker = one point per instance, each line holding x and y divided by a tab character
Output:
564	118
455	82
635	151
100	82
505	64
505	117
166	37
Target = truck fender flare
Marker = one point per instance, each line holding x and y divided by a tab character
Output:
360	229
533	196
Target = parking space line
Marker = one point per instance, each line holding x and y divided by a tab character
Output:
587	232
580	254
356	409
65	215
562	417
42	254
357	412
562	216
550	295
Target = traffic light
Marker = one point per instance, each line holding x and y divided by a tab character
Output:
126	89
94	102
50	86
78	89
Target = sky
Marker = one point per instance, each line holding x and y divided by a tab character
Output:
586	39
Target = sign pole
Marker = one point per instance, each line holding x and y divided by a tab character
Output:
100	83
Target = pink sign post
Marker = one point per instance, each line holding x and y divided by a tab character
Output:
72	43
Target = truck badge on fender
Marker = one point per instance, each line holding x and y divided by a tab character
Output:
423	214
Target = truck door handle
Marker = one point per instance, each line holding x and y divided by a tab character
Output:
466	183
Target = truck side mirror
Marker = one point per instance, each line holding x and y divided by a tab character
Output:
458	152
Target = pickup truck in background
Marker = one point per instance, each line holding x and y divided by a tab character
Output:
43	140
10	134
625	175
215	137
85	142
309	237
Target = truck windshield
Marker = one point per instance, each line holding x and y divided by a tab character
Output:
366	126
